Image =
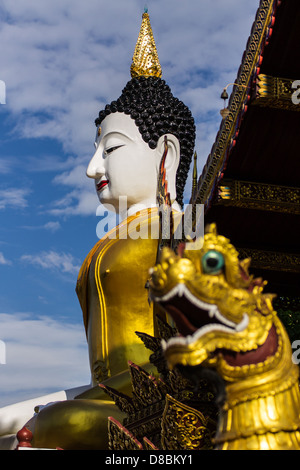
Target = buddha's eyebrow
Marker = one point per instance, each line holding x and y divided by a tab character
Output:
116	134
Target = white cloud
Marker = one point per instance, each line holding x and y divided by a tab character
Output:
63	62
49	226
77	202
52	226
75	178
63	262
42	355
13	198
3	260
2	92
48	163
81	200
5	165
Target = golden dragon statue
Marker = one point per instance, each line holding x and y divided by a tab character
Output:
226	322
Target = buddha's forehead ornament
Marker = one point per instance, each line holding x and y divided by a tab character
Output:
145	62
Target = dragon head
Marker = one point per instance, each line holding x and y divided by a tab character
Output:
223	317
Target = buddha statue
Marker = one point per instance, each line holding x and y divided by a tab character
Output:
132	134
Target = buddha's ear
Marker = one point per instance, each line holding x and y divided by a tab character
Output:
172	159
173	155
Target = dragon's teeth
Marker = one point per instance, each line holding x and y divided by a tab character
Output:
180	290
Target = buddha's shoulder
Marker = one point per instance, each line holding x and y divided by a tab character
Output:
127	237
94	253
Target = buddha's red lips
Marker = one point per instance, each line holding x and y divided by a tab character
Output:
102	185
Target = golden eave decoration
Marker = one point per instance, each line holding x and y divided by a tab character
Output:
145	62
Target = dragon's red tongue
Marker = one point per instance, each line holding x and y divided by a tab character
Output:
187	316
257	355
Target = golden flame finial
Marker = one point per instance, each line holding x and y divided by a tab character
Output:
145	62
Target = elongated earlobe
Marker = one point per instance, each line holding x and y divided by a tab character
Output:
169	144
163	196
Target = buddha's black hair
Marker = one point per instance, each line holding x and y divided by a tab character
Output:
151	104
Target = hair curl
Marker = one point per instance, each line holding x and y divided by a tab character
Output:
151	104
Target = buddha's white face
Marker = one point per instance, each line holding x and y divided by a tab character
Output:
123	164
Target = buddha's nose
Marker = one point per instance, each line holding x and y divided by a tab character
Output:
96	168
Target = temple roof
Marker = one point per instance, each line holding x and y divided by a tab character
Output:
250	183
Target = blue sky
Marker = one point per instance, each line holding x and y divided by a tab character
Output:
61	62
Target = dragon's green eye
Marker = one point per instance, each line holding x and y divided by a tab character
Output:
212	262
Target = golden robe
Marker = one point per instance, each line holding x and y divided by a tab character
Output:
112	291
111	288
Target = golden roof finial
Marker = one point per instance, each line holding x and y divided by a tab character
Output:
145	62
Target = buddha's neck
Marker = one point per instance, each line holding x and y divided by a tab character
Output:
135	208
263	411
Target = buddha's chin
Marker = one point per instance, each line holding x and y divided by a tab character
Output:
105	197
110	203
